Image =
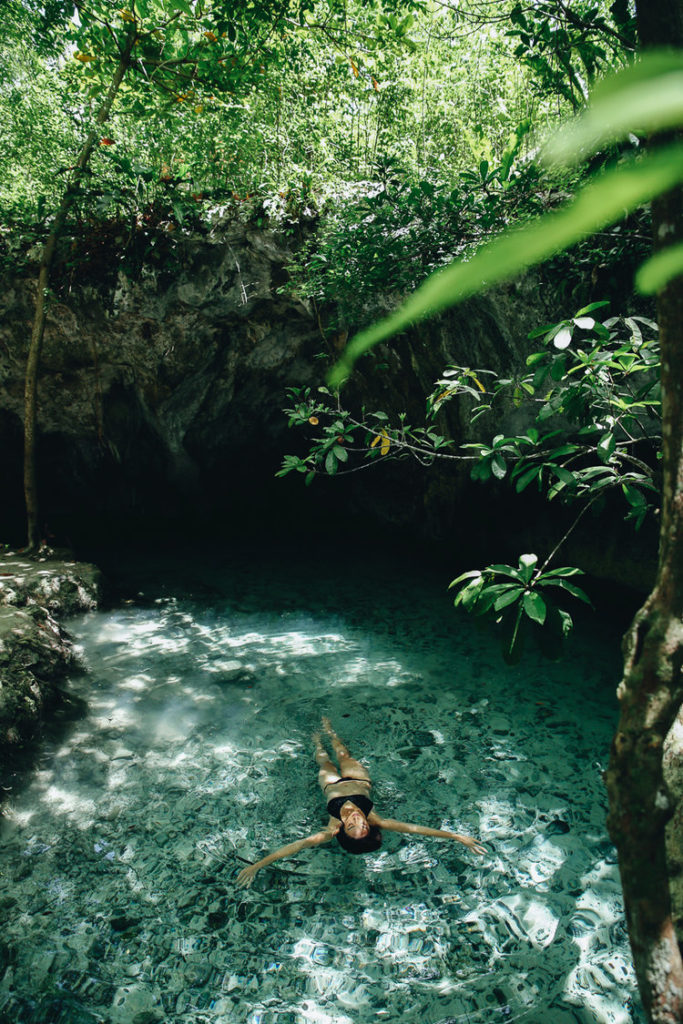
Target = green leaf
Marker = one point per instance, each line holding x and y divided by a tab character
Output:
489	594
563	338
525	479
527	564
331	462
506	570
606	447
498	466
508	598
565	475
570	588
546	329
469	594
598	204
535	607
565	570
341	453
592	307
647	97
660	269
634	497
472	574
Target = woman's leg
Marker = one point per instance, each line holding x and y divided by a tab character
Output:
328	771
347	764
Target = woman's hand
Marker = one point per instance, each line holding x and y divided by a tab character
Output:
472	844
246	876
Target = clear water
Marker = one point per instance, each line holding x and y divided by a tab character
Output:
119	856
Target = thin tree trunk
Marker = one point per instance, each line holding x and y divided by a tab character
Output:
38	332
651	691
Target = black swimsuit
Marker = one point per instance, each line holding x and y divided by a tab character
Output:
361	800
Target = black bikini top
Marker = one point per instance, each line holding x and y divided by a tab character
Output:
363	803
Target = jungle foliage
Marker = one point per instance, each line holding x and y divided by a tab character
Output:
590	400
415	116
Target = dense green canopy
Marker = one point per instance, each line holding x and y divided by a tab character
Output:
287	101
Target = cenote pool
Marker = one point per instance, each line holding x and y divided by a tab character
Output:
120	852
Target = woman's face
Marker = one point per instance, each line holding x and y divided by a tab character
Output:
355	824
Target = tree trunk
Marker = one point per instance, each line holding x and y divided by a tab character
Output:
651	691
37	334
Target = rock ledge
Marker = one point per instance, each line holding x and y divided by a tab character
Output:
36	654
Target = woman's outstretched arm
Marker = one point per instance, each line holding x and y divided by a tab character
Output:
421	830
246	875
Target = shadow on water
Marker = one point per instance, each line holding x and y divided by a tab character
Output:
119	858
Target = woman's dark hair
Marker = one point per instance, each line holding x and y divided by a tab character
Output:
372	841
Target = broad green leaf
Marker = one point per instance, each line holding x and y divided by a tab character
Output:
546	329
511	595
600	203
491	593
563	571
565	475
570	588
535	607
498	467
331	462
472	574
606	447
659	270
634	497
341	453
592	307
594	471
526	478
563	338
564	449
527	564
643	98
469	595
506	570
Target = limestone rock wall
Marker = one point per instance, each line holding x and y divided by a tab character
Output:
162	391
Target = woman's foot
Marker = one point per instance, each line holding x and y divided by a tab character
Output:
339	747
321	755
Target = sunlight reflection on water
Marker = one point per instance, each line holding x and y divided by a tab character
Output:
118	862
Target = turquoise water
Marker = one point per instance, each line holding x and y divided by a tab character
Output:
119	856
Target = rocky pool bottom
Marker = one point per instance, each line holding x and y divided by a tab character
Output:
119	855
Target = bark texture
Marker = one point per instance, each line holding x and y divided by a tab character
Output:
651	691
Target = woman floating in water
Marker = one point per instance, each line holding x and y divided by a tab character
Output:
352	820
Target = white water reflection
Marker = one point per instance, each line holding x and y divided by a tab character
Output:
120	856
